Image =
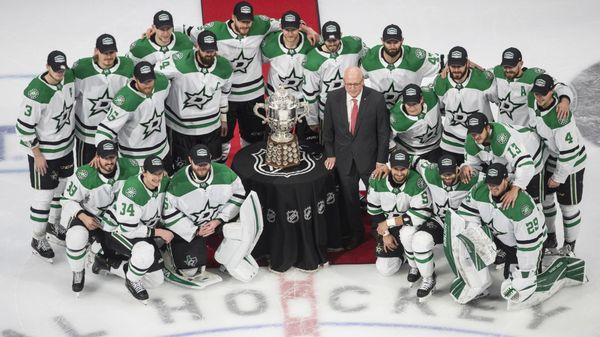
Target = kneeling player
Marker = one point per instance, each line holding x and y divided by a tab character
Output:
398	204
203	196
88	193
135	215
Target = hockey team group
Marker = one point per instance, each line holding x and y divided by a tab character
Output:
126	154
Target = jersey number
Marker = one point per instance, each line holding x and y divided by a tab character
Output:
127	208
514	150
164	64
424	198
28	110
72	189
569	138
532	226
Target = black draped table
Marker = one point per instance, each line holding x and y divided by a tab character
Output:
299	206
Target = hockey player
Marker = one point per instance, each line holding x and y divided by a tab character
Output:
136	118
160	42
565	166
201	198
135	215
87	195
521	150
392	65
239	41
398	204
45	127
324	67
514	82
447	192
463	91
97	80
416	123
196	108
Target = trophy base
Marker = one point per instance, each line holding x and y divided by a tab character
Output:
283	154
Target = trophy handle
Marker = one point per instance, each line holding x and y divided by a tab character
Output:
255	109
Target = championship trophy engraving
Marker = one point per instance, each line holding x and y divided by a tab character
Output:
282	112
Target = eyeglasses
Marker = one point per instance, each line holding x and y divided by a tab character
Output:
353	84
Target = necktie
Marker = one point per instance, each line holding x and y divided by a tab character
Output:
353	116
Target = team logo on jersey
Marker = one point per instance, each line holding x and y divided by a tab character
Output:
334	83
308	213
153	124
271	215
100	104
204	215
330	199
526	210
198	99
460	116
33	93
292	216
489	75
119	100
64	117
240	63
190	261
419	53
507	106
82	174
307	164
430	134
321	207
502	138
130	192
391	95
420	183
177	56
292	81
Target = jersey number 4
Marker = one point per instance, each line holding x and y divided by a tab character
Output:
127	208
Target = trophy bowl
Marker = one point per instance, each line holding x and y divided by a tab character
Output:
282	112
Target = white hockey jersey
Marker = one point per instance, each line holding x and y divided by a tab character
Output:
198	95
146	49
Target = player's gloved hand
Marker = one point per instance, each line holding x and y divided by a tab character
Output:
166	235
519	286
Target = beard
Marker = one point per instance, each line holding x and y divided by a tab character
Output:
392	52
207	60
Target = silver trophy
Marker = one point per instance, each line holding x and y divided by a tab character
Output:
282	111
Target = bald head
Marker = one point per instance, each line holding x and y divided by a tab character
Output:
353	81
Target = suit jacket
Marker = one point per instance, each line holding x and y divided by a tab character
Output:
370	142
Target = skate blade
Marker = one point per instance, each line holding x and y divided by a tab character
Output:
77	294
47	259
424	298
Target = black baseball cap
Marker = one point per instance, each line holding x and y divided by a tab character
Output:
163	19
510	57
290	19
457	56
447	164
144	71
331	31
207	41
412	94
106	43
476	122
154	165
57	60
543	84
107	148
496	172
399	158
200	154
392	32
243	11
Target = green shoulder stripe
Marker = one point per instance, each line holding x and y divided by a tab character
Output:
180	183
223	68
471	146
69	76
127	99
84	68
134	190
432	175
141	47
182	42
530	74
38	91
260	25
314	60
127	168
524	206
551	118
270	45
398	119
220	30
371	60
414	183
499	72
413	58
184	61
441	86
222	175
161	82
378	185
352	45
480	80
125	67
481	192
88	177
429	97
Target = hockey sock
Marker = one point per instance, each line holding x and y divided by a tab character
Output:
76	242
39	212
571	221
422	245
55	207
550	212
142	257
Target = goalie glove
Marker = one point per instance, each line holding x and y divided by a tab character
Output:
519	286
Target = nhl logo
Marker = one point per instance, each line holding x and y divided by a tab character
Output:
321	207
308	213
82	174
246	10
130	192
177	56
292	216
119	100
190	261
271	215
33	93
330	198
307	164
503	138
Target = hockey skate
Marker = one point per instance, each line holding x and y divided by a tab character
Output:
56	234
568	249
550	245
427	288
42	248
101	265
500	259
413	276
137	290
78	281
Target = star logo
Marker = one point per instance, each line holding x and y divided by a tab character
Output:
391	95
64	117
430	134
152	221
292	81
100	104
494	230
204	215
240	64
507	106
197	100
153	124
460	116
335	83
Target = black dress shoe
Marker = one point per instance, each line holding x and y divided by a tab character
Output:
353	243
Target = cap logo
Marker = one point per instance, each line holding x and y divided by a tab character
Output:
209	39
246	10
392	31
456	54
164	17
473	122
202	153
331	29
289	18
156	161
109	146
411	92
59	59
540	82
446	162
107	41
509	55
145	69
492	173
400	156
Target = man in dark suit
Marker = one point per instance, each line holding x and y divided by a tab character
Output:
356	131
